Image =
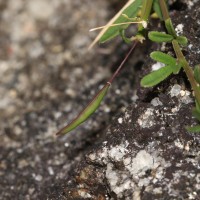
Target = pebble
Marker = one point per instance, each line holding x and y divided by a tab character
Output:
38	177
175	91
120	120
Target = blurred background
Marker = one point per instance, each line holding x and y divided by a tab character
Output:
47	75
44	68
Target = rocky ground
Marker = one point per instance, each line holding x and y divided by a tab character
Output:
134	147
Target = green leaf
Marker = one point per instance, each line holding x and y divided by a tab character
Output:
156	77
166	59
156	8
182	40
163	58
194	129
170	28
86	112
197	106
131	11
160	37
197	73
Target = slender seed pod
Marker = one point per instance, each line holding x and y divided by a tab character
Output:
87	111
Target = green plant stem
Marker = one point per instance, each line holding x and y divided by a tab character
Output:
187	69
177	49
164	10
168	23
146	10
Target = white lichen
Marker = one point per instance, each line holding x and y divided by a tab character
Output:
146	120
118	182
179	29
142	162
118	152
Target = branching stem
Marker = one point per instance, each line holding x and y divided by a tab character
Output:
187	69
177	49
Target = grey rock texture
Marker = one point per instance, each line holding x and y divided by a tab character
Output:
129	149
146	152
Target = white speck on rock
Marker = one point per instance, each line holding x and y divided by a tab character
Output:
38	177
142	162
191	3
50	170
156	102
111	175
117	91
175	91
147	119
190	46
66	144
157	190
144	182
157	66
84	194
114	179
120	120
175	109
137	194
182	93
187	99
118	152
179	29
92	156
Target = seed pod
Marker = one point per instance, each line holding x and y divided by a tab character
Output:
86	112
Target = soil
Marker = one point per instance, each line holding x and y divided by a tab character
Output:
136	145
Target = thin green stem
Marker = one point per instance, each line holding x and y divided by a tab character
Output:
177	49
168	23
187	69
164	9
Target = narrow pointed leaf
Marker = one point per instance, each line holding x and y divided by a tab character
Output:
197	106
85	114
156	7
163	58
156	77
197	73
130	9
160	37
170	28
194	129
166	59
